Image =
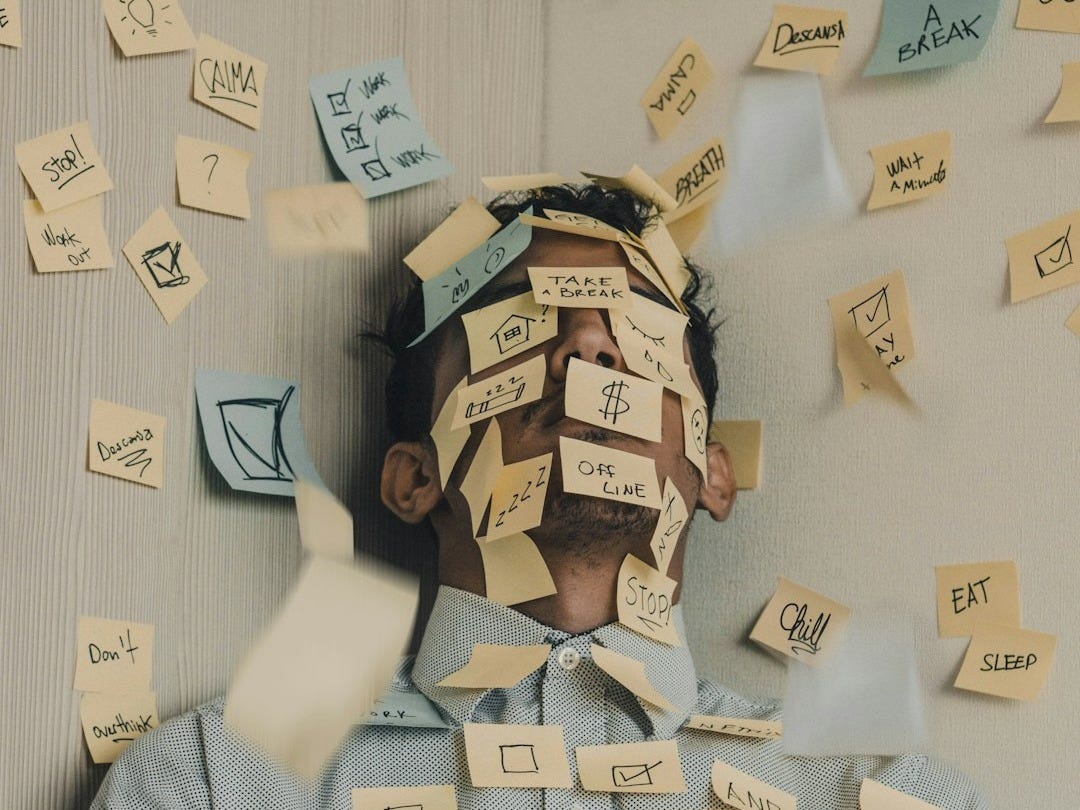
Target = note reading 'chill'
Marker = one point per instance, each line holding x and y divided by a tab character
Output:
801	623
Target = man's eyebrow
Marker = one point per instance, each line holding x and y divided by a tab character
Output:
654	295
492	293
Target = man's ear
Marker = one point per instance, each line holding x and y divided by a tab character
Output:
717	493
410	485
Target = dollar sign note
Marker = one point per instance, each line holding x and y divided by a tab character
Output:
615	404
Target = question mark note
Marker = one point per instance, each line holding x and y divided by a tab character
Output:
213	166
212	177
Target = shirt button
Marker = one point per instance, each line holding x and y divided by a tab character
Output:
569	658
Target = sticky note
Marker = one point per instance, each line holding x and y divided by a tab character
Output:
468	226
449	442
309	220
112	655
405	710
675	90
696	432
666	257
697	178
112	721
512	755
638	181
910	170
803	38
515	571
1055	15
610	399
669	528
1007	662
229	81
656	324
165	264
974	593
148	26
742	438
876	796
686	226
631	674
588	287
63	166
322	662
576	224
738	789
1073	323
517	497
252	429
801	623
604	472
426	797
1067	106
643	264
483	471
645	767
507	328
644	598
917	34
326	526
374	130
498	666
126	443
10	25
212	177
737	726
522	182
501	392
1041	259
69	238
643	357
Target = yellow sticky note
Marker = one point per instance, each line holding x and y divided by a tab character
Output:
467	227
164	263
686	226
498	666
643	357
492	395
638	181
674	91
1073	323
696	432
737	726
666	258
482	474
576	224
608	398
876	796
631	674
10	25
645	767
326	218
126	443
604	472
644	598
587	287
425	797
522	182
1007	662
212	176
656	324
803	38
910	170
63	167
1041	259
1067	106
148	26
1049	15
697	178
520	756
112	721
229	81
801	623
326	526
976	593
643	264
738	789
515	571
517	498
507	328
113	655
449	442
670	526
742	438
69	238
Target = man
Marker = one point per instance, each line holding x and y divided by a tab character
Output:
195	762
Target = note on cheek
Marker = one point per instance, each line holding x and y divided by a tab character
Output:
112	655
504	391
515	571
212	176
670	526
806	39
229	81
644	598
1041	259
738	726
517	498
426	797
801	623
676	87
876	796
696	432
910	170
63	167
603	472
645	767
661	327
111	722
585	287
449	442
608	398
482	474
69	238
1007	662
164	263
507	328
511	755
975	593
738	789
668	370
126	443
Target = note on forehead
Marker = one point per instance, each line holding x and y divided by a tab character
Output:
507	328
479	479
695	415
638	181
910	170
576	224
917	34
737	726
645	600
742	438
696	179
604	472
630	673
666	258
1041	259
10	25
644	265
327	218
63	167
1056	15
876	796
738	789
494	394
69	238
326	526
802	38
467	227
449	442
675	90
801	623
522	182
165	264
1067	106
517	498
1073	322
150	26
113	655
498	666
644	767
670	526
426	797
515	571
973	593
1006	661
126	443
212	177
512	755
112	721
583	287
229	81
312	674
373	128
608	398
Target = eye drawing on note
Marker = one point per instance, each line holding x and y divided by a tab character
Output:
253	432
518	759
1055	256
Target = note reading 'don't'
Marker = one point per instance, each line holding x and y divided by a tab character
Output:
113	655
801	38
126	443
801	623
643	767
604	472
1006	661
645	601
971	594
518	756
63	166
910	170
611	399
675	90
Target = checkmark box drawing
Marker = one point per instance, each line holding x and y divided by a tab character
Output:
1055	256
633	775
873	313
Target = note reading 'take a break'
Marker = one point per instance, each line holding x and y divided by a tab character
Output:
63	166
113	655
974	593
801	623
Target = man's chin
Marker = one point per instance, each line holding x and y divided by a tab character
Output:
590	528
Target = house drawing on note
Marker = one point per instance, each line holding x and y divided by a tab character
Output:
512	332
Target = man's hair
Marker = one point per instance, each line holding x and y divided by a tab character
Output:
411	382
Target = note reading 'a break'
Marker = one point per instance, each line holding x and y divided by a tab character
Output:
919	35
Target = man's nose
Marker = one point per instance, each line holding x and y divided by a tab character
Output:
586	335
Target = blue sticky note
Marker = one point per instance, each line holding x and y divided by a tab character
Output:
373	129
252	429
918	34
408	709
